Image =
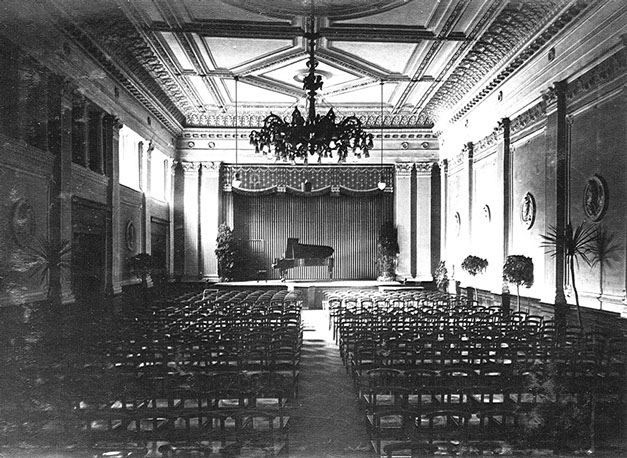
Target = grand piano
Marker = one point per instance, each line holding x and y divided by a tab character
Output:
300	254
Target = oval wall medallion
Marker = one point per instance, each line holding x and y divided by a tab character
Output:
528	210
130	235
595	198
23	222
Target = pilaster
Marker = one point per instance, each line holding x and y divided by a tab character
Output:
209	218
403	211
170	188
190	220
112	159
444	192
504	177
423	221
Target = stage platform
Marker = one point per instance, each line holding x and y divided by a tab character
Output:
314	291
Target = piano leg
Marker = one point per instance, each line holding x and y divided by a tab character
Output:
330	271
283	274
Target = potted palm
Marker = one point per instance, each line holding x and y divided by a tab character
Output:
52	264
518	269
141	266
576	243
474	265
387	252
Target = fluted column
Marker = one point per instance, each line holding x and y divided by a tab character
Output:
190	220
423	221
403	212
209	217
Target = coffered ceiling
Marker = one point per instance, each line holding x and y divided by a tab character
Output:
436	58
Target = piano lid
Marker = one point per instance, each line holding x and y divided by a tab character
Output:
295	250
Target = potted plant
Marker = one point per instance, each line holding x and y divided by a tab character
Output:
141	265
387	252
576	244
226	252
518	269
441	277
474	265
52	264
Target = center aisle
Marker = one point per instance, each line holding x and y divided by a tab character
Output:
327	421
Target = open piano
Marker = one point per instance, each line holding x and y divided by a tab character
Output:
300	254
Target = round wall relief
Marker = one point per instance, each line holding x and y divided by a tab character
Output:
528	210
595	198
130	235
23	222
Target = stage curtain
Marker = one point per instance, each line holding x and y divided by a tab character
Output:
348	223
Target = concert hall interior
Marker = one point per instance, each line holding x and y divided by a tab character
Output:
313	228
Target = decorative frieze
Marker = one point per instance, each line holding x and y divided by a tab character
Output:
607	70
254	120
260	177
529	117
489	140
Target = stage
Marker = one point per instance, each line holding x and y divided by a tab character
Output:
313	290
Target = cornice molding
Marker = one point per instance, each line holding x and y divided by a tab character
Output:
114	43
514	26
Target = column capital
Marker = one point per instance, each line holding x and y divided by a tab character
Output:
403	169
468	150
424	168
211	168
190	167
444	165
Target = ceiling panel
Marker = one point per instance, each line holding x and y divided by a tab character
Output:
233	52
369	95
248	93
177	51
392	57
416	13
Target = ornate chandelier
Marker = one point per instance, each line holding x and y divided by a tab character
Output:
299	138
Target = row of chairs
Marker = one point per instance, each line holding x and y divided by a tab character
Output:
209	377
